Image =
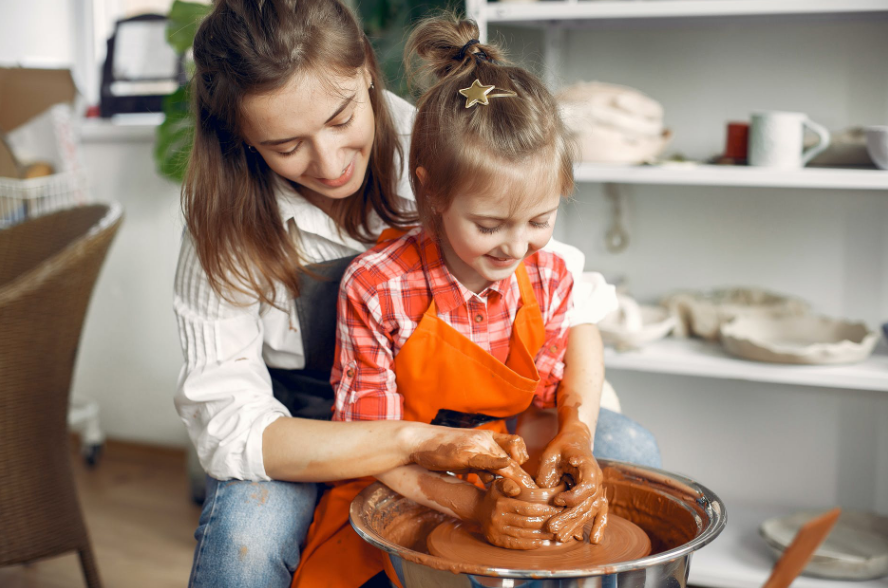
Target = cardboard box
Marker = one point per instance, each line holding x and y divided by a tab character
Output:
36	121
40	163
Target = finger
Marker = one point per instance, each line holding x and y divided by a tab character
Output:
549	474
576	495
522	533
570	517
569	532
509	487
513	445
517	474
481	461
599	525
529	509
508	519
486	477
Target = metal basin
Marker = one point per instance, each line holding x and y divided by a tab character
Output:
679	515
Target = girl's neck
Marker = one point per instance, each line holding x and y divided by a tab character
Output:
322	202
463	273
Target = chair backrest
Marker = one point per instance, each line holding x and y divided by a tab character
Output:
48	268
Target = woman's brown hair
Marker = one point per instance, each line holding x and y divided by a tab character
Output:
443	55
248	47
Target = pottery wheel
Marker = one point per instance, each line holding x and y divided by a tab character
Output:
459	542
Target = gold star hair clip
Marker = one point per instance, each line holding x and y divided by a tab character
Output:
478	93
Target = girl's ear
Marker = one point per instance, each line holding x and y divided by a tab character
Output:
368	79
421	174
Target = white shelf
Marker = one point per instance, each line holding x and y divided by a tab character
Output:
738	558
724	175
692	357
560	10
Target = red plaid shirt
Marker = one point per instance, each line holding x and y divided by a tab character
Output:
384	294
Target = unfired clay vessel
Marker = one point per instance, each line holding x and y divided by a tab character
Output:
806	339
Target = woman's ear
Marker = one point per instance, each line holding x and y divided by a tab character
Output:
368	78
421	175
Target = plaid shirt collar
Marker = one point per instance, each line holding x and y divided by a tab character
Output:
447	292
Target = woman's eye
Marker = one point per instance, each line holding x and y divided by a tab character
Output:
291	151
487	230
539	225
346	124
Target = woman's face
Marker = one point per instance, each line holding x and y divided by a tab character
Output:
317	132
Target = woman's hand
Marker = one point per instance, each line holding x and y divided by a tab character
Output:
444	449
511	523
570	452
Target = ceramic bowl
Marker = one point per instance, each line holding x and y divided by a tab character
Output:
877	145
805	339
702	313
653	323
855	549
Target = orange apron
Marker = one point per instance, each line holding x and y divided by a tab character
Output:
436	369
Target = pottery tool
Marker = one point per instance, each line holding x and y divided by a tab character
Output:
802	548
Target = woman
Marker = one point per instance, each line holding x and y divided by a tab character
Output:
296	168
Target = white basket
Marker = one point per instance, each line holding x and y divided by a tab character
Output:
24	199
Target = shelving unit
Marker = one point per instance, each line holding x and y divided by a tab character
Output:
721	175
542	12
693	357
738	558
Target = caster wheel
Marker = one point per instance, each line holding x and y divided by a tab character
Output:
91	454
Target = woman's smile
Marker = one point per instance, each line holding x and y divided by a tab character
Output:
342	180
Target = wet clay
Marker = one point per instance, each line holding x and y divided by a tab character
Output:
457	541
666	518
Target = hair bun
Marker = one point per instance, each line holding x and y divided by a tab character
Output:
444	46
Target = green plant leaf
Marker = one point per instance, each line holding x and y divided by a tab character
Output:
184	18
174	136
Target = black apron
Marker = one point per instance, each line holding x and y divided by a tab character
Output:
307	393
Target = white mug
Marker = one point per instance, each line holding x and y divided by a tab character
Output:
776	139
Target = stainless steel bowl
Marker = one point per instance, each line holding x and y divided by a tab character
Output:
679	515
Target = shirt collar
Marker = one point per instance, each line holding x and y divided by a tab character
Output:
447	292
308	217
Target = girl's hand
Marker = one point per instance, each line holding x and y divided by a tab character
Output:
444	449
511	523
570	452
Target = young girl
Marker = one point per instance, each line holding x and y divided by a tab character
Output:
463	322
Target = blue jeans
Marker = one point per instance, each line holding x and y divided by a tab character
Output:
250	533
619	437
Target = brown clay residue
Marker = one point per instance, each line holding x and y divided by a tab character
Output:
261	494
624	541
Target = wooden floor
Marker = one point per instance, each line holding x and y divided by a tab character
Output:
140	518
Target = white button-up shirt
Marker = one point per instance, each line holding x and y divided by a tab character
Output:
225	394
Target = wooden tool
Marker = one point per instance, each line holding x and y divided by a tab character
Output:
802	548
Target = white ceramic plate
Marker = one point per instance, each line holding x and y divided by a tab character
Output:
856	548
807	339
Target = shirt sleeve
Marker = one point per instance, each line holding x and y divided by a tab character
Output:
224	394
593	297
363	375
550	358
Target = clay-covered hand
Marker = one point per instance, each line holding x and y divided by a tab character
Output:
570	452
511	523
469	450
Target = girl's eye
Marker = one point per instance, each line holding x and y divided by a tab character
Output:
539	225
487	230
346	124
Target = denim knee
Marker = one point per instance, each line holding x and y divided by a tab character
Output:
619	437
250	533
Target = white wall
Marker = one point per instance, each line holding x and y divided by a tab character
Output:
129	355
36	32
750	442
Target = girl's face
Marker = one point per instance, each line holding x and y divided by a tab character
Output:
487	234
317	132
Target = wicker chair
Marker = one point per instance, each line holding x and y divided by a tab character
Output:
48	267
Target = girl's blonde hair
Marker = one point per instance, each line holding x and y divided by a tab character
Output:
466	148
252	47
